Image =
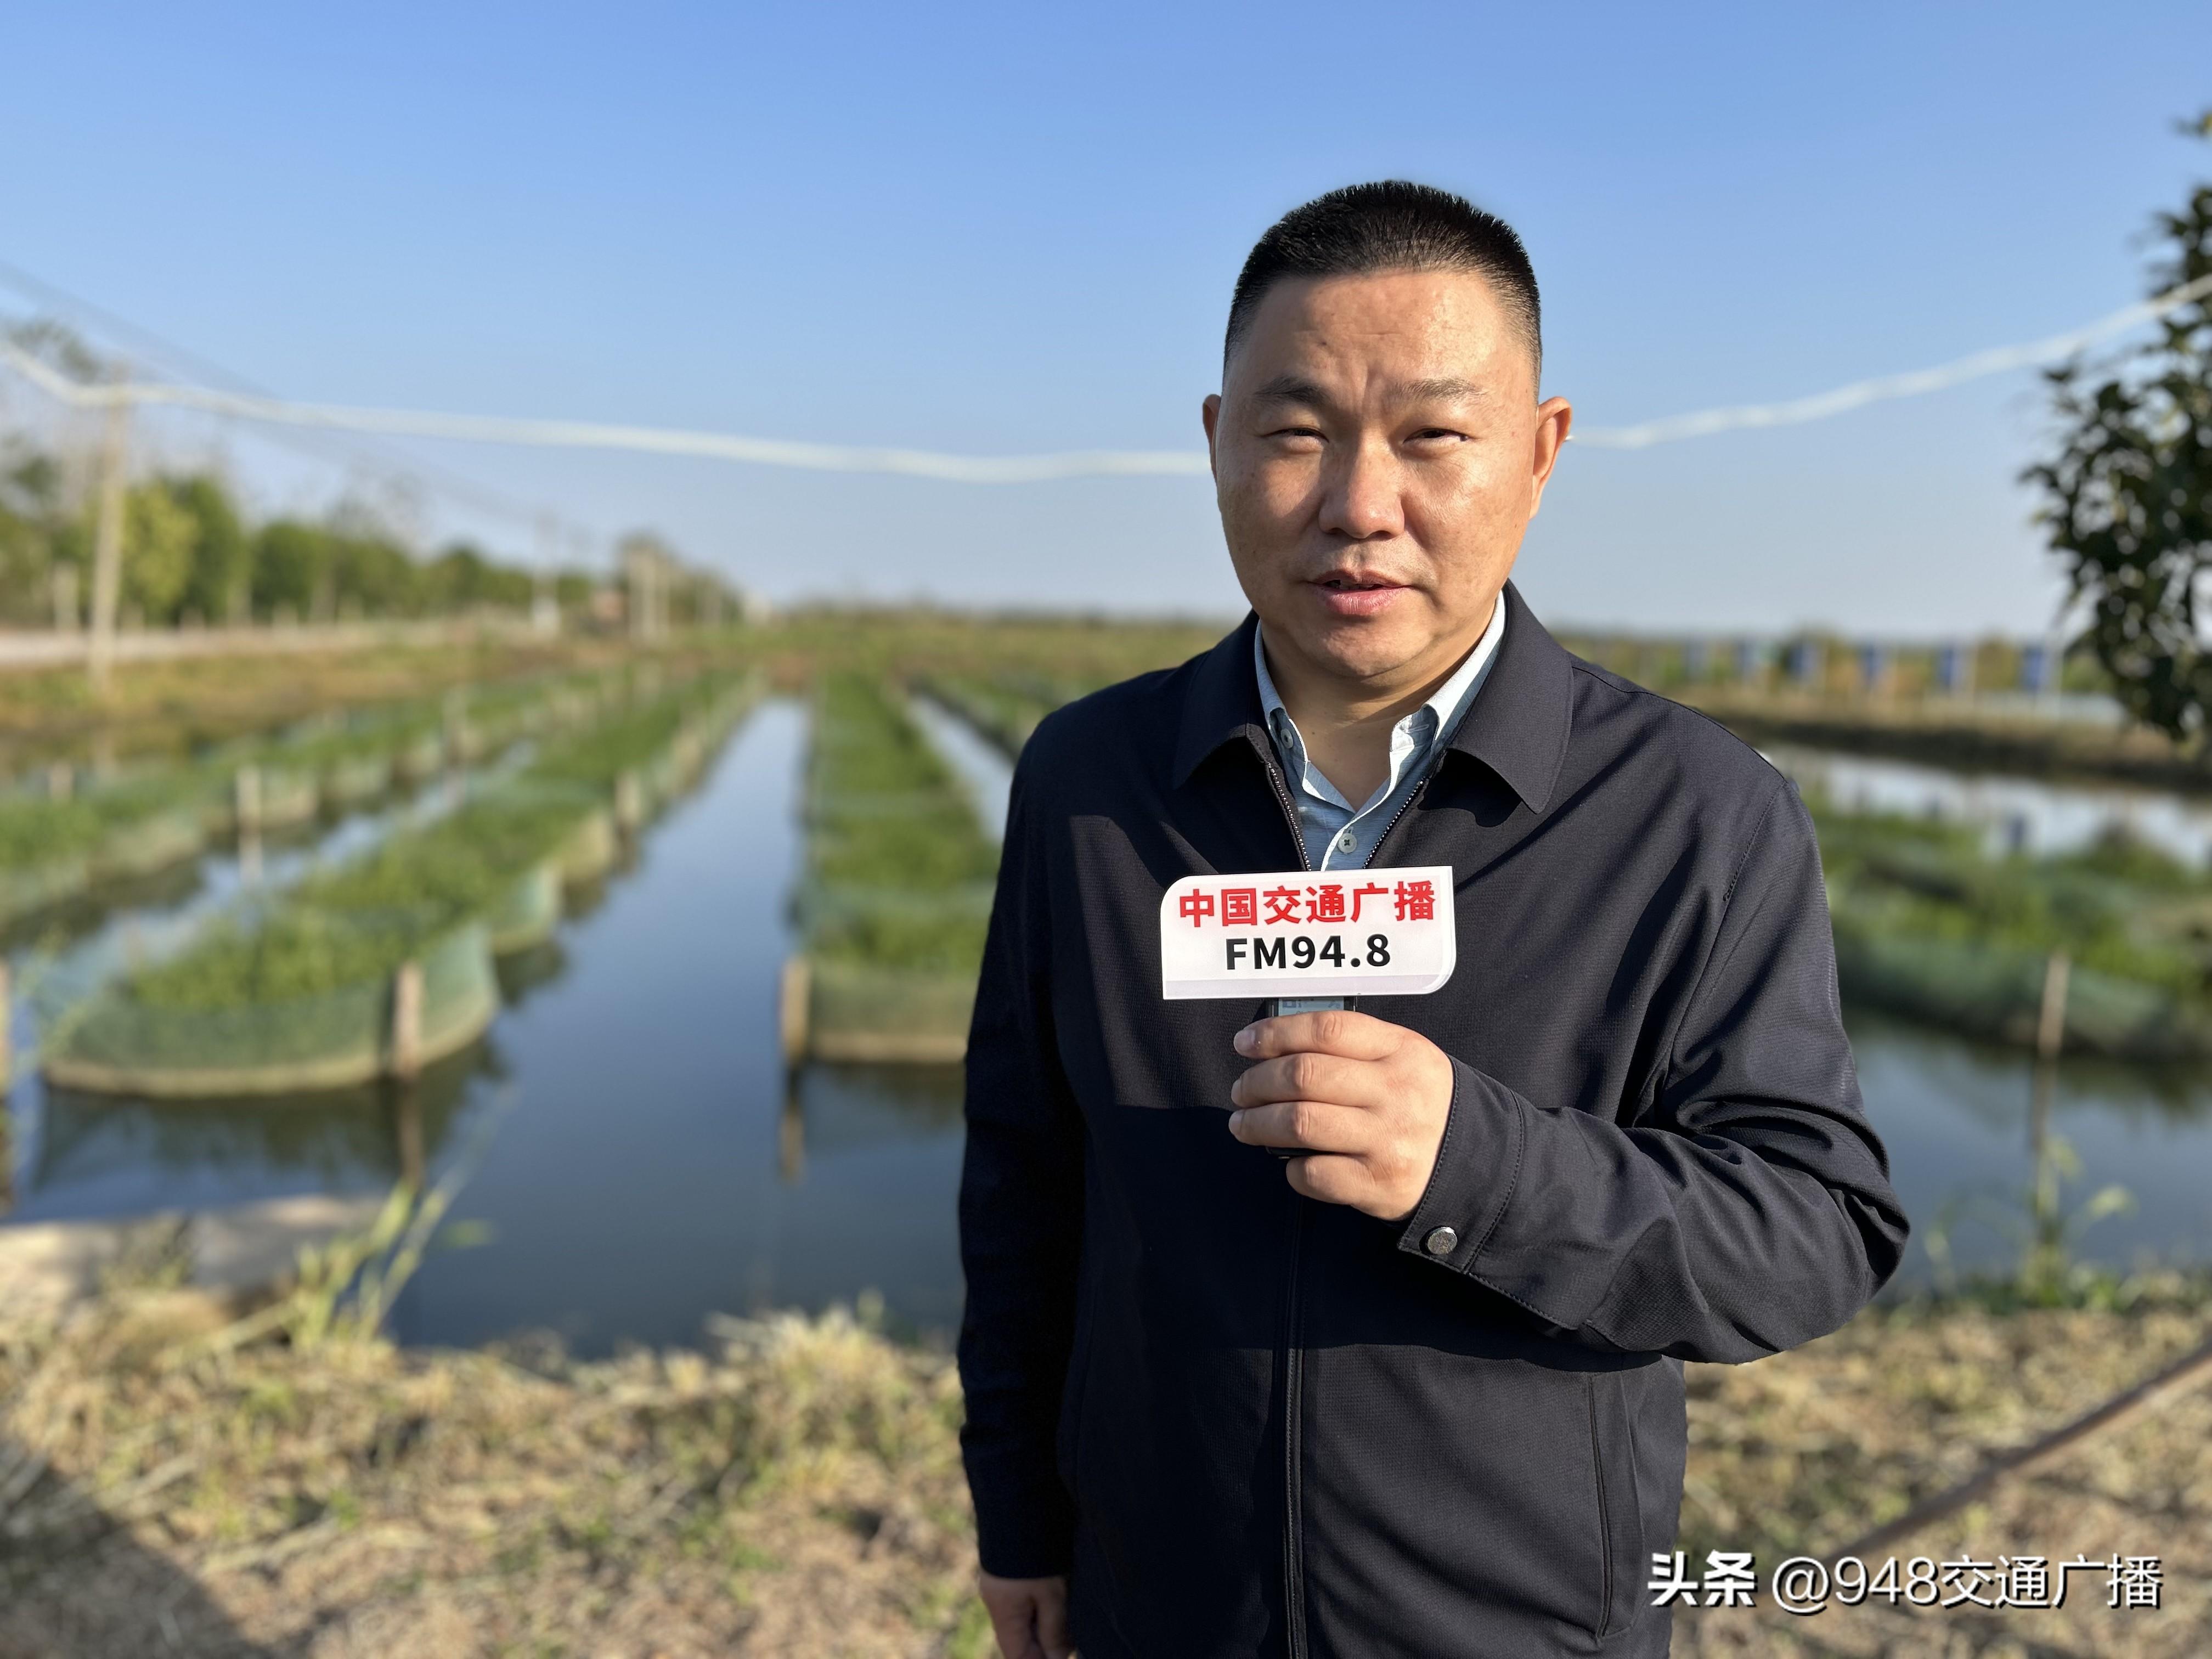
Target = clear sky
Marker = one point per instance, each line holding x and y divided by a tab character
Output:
991	229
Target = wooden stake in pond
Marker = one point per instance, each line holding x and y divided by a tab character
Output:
407	1021
2050	1022
2047	1249
792	1008
456	721
249	806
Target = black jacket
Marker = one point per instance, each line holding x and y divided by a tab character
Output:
1250	1423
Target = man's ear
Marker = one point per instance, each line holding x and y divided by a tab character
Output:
1209	415
1554	418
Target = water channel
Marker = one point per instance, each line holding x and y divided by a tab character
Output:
635	1158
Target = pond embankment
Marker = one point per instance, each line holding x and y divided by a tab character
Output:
169	1484
1957	735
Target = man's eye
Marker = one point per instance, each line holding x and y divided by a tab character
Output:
1439	434
1296	432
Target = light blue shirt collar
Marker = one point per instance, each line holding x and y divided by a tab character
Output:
1335	831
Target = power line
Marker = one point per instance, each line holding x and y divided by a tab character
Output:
1031	469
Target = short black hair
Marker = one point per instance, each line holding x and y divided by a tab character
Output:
1392	225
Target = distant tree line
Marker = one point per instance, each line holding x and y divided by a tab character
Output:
190	555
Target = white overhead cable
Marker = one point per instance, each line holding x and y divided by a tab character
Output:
463	491
1036	469
584	435
1882	387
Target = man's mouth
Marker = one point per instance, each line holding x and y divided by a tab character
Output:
1354	593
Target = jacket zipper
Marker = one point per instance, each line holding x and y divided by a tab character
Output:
1294	1567
1294	1574
1404	807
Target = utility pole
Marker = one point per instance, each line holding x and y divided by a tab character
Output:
108	545
544	613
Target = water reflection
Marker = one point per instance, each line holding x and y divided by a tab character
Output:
104	1155
625	1189
61	956
2022	815
1956	1117
979	764
869	1202
525	972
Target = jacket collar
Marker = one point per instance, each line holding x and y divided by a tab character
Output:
1517	726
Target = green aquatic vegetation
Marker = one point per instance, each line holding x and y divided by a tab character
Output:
1006	716
2128	858
899	867
357	922
375	737
598	757
1007	706
33	832
1901	877
901	932
295	952
1928	926
452	869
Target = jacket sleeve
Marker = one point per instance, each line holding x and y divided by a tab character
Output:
1745	1209
1021	1224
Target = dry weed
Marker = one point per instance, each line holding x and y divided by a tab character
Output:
165	1488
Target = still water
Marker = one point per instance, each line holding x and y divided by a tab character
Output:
638	1159
2016	815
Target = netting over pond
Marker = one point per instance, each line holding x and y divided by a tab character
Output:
897	894
65	834
124	1044
386	962
1995	992
528	914
1930	926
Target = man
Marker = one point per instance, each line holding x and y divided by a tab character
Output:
1416	1388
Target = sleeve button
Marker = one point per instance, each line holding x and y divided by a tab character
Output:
1441	1241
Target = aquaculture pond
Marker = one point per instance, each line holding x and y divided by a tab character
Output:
1958	1114
631	1146
638	1156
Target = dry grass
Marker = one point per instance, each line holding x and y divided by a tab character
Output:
796	1492
166	1487
1803	1453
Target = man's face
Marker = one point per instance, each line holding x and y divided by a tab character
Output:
1378	451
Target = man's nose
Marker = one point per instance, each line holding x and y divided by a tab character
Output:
1364	502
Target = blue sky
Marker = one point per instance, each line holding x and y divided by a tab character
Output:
1013	229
